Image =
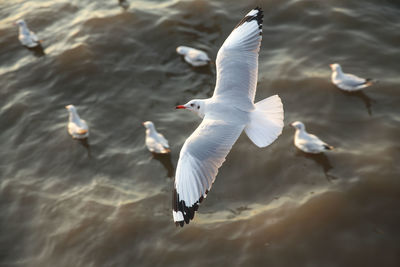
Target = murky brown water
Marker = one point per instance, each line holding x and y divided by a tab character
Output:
109	203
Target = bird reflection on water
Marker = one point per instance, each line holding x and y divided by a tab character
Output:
37	51
85	143
361	95
166	161
322	160
124	4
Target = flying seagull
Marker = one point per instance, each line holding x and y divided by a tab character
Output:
27	37
155	142
77	127
348	82
230	110
194	57
306	142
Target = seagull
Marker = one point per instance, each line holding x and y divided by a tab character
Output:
348	82
306	142
155	141
27	37
194	57
77	127
230	110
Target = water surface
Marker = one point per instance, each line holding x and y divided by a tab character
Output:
109	203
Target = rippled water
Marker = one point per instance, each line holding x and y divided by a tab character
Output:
108	203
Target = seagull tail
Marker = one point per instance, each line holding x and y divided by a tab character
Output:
328	147
266	121
369	82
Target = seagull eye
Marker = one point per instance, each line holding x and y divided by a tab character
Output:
192	105
198	107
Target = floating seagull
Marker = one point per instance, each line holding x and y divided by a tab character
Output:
77	127
27	37
306	142
348	82
230	110
155	141
194	57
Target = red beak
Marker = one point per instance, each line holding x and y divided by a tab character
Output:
180	107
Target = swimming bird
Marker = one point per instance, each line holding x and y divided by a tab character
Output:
348	82
155	142
225	115
306	142
77	127
27	37
194	57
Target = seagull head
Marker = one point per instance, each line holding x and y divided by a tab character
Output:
73	113
148	124
20	22
335	67
196	105
70	107
298	125
182	50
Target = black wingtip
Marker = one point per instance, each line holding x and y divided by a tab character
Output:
179	205
258	17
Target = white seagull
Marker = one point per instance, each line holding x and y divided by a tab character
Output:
194	57
230	110
348	82
306	142
155	142
77	127
27	37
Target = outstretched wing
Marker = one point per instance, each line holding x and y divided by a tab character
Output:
201	156
237	62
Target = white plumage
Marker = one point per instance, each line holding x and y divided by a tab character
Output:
194	57
77	127
307	142
348	82
155	142
27	37
230	110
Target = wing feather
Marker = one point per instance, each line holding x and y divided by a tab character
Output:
353	80
162	140
201	156
237	61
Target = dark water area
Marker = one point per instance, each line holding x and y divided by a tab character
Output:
107	201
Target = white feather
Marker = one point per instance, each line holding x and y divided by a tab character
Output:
346	81
77	127
307	142
155	141
226	114
194	57
266	121
27	37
